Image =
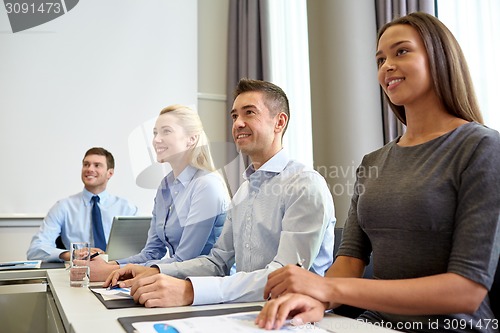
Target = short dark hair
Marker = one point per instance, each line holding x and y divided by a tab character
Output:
275	98
110	161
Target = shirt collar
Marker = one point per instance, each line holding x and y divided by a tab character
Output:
184	178
275	164
87	196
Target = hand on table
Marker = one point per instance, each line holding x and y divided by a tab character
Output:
129	274
161	290
100	269
300	309
293	279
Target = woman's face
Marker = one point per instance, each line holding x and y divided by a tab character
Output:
403	66
170	141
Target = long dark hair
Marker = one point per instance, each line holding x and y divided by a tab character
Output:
449	70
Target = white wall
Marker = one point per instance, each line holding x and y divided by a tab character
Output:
15	237
347	121
89	78
212	71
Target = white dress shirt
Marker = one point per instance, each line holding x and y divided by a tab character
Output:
282	212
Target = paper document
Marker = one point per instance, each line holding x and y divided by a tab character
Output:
113	294
238	322
20	264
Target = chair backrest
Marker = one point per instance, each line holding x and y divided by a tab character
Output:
494	293
338	238
59	243
347	310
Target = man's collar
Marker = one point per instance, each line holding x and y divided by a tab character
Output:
275	164
87	195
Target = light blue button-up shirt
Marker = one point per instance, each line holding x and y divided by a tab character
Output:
71	218
282	211
188	216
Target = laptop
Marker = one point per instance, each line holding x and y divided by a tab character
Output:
128	236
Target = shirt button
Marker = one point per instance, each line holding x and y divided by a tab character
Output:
247	245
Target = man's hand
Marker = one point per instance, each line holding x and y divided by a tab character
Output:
129	274
95	250
100	269
65	256
161	290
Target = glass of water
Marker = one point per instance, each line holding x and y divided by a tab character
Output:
79	271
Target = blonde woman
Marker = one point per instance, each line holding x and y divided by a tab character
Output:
191	201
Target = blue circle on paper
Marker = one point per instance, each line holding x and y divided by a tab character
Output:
165	328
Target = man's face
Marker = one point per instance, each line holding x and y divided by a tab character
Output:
254	128
95	173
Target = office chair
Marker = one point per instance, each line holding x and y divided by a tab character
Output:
347	310
59	243
494	293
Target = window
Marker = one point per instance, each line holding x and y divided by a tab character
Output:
476	26
289	69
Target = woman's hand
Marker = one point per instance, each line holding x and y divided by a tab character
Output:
301	309
293	279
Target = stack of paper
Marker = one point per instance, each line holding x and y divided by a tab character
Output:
7	265
113	294
240	322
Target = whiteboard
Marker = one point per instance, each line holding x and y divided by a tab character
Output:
90	77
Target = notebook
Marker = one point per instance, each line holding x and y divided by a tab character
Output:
128	236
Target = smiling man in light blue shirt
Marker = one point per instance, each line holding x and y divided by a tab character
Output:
70	218
282	213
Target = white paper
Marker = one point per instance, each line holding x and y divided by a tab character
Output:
239	322
8	265
113	294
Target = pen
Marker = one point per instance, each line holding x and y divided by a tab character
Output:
300	261
12	264
94	255
8	265
116	286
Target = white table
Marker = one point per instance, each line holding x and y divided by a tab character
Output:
82	312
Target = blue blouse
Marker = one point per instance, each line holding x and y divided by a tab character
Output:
188	215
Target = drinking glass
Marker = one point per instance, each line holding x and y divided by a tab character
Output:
79	272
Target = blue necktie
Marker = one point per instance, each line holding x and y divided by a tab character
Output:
99	239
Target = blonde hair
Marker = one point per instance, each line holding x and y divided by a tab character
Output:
199	155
